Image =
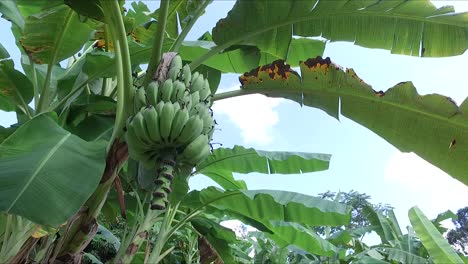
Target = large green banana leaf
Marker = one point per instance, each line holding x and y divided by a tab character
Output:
432	126
46	173
411	27
437	247
54	35
268	205
220	165
279	213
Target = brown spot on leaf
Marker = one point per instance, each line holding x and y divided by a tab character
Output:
317	62
7	91
276	70
379	93
452	144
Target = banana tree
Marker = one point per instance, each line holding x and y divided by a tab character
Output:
75	123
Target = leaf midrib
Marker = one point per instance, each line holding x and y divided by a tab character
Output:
226	158
337	14
39	168
251	152
269	92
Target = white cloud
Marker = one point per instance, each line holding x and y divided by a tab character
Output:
253	114
433	188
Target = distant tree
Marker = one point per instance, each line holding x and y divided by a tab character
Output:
357	201
458	237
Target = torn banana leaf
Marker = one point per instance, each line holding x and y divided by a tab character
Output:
432	125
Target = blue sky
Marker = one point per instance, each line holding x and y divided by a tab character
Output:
361	160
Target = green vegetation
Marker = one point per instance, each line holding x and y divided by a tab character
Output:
96	169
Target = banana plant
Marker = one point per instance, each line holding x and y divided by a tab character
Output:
77	125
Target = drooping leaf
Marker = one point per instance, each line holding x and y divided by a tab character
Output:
279	213
432	126
404	27
220	165
437	247
43	191
15	88
266	205
246	160
286	234
54	35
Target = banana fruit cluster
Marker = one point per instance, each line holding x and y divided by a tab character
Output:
171	117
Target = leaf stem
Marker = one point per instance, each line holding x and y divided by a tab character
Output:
35	85
213	51
45	94
156	52
105	81
178	42
231	94
124	70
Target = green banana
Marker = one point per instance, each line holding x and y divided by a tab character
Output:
178	91
180	119
208	123
139	125
152	124
176	63
136	148
165	120
152	91
196	146
195	99
192	128
186	75
205	92
198	109
186	102
194	77
176	107
197	84
200	155
166	91
139	100
159	107
173	73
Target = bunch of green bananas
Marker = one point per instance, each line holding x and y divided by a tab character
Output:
171	119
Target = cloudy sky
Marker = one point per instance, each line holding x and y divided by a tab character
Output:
361	160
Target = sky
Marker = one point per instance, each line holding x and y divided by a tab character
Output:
361	160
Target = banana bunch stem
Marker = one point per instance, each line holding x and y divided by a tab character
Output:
164	176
